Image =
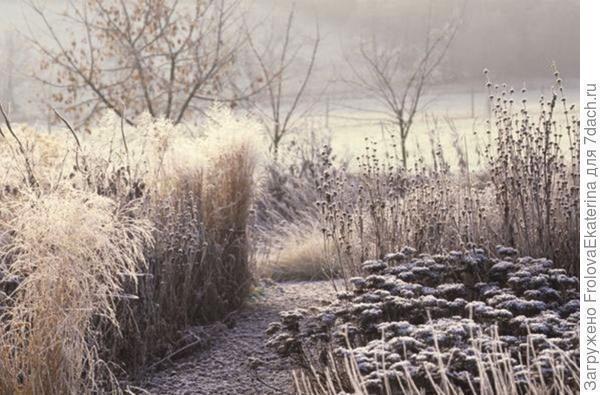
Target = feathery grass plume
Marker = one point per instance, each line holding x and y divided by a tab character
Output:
41	153
64	258
223	129
72	245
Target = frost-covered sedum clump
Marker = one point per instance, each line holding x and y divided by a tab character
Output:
444	319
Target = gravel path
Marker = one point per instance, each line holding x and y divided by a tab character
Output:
235	360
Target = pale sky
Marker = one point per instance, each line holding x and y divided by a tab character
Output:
516	38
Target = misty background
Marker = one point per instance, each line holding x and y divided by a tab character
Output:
517	40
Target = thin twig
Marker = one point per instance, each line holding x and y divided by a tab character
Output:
29	169
270	386
125	144
64	120
176	352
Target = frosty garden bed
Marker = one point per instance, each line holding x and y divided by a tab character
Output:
443	320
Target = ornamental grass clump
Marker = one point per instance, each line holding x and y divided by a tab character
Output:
114	242
285	226
64	259
197	191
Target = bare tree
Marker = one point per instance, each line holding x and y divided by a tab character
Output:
285	85
165	57
398	79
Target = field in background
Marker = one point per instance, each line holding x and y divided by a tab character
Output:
353	118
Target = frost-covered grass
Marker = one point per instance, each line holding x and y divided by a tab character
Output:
296	254
169	246
64	257
111	242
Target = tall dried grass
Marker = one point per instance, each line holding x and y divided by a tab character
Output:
126	236
286	231
198	194
296	253
65	256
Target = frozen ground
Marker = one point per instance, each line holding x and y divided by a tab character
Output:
234	359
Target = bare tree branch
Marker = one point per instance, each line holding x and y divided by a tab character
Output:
274	67
155	56
400	89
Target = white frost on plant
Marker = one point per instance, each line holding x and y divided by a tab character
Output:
159	146
222	128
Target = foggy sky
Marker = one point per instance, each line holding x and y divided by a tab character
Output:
517	40
514	38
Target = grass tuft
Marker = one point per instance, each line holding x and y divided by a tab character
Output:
65	258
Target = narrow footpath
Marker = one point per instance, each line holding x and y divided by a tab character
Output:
235	359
